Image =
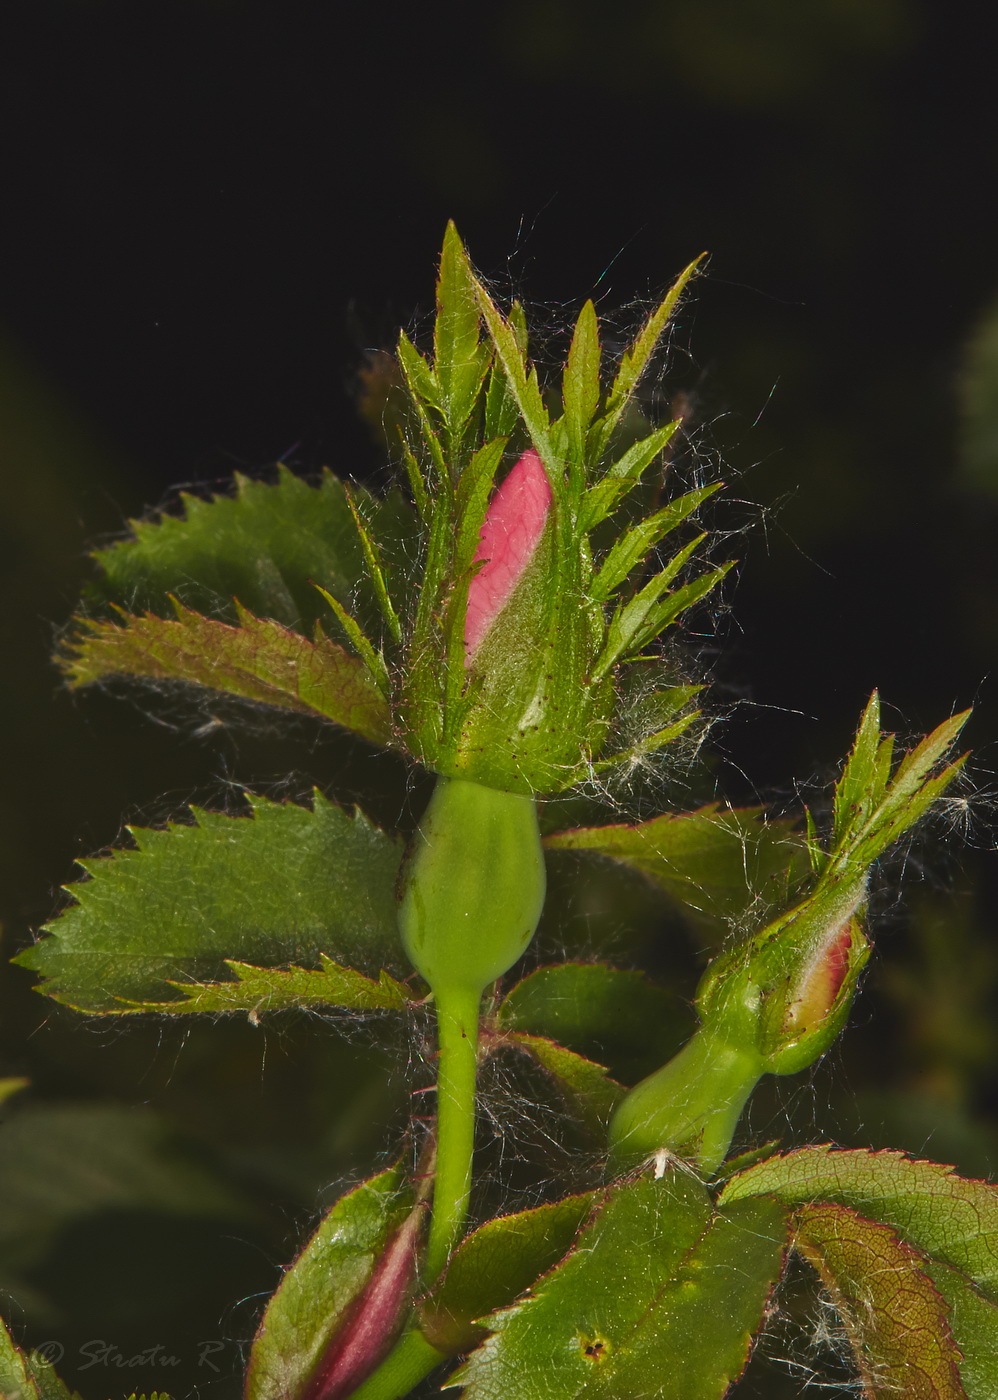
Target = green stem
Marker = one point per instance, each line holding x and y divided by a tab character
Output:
457	1067
413	1357
406	1364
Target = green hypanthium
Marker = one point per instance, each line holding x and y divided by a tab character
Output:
508	618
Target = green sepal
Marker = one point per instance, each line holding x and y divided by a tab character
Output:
282	886
580	385
658	1286
635	360
258	990
459	361
496	1264
801	970
257	660
318	1294
633	547
602	499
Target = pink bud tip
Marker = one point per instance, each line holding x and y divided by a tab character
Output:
822	979
507	542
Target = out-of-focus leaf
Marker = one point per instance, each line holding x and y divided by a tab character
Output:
661	1296
493	1266
280	887
943	1215
265	545
62	1162
257	660
716	861
896	1319
586	1085
316	1297
260	989
9	1087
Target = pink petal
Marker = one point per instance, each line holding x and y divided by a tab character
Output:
507	541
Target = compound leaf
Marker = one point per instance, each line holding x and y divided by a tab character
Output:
258	660
660	1299
282	886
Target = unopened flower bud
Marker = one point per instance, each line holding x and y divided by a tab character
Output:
507	544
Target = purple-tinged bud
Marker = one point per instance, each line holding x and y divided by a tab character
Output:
374	1319
507	543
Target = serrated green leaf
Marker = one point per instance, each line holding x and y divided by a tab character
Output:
314	1300
973	1320
260	989
715	861
635	545
257	660
586	1085
27	1377
597	1011
459	363
494	1265
942	1215
660	1298
283	886
266	545
635	360
620	478
580	387
896	1319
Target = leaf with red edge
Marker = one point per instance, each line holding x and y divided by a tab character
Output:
585	1084
896	1319
259	660
943	1215
716	861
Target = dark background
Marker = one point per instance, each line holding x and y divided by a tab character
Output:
211	211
